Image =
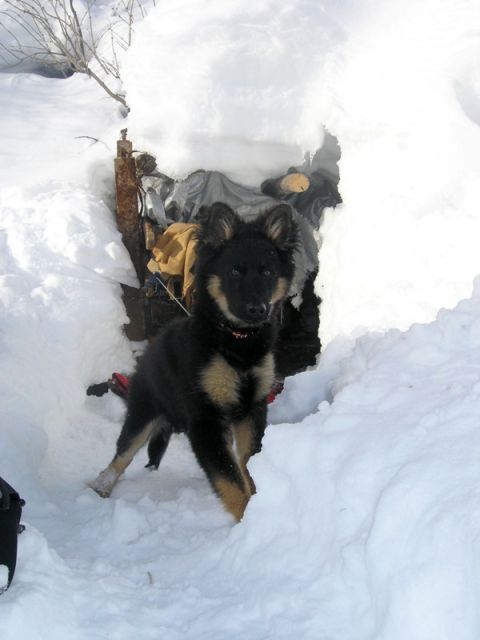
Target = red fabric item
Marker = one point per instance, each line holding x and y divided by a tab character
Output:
121	380
275	391
123	383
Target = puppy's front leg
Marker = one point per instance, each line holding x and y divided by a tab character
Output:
211	443
248	438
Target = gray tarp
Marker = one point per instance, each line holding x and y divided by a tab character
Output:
185	197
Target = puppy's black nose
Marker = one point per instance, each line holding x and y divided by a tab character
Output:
257	312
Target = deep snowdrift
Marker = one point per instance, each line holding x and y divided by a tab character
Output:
246	88
365	524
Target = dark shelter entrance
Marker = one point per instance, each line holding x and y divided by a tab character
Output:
156	215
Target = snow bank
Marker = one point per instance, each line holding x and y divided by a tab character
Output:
3	577
57	131
61	262
246	89
220	85
365	524
368	509
405	105
61	316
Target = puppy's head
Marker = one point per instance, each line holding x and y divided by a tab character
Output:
247	267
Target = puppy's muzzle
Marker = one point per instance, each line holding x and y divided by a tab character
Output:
257	313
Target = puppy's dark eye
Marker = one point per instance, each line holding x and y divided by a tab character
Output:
266	272
236	272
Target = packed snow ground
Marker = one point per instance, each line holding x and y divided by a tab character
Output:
366	522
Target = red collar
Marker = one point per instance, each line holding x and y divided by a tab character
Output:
240	334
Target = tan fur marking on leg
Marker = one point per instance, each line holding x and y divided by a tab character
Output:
107	478
214	288
280	292
243	439
220	382
243	431
233	497
120	463
265	375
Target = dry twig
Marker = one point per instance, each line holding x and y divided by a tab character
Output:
50	32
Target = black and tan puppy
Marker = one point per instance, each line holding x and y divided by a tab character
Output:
209	375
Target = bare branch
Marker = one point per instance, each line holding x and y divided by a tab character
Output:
112	94
78	29
53	31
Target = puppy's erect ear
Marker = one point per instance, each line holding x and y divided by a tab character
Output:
278	225
218	224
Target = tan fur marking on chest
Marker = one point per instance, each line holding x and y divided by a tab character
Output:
265	375
280	291
220	382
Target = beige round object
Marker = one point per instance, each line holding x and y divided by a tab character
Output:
294	183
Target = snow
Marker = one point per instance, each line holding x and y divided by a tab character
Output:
366	520
246	88
408	130
229	83
3	577
56	130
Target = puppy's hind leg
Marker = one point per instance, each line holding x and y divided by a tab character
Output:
159	440
136	430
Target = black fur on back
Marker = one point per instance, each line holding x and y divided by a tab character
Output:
209	374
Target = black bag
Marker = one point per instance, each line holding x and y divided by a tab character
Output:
10	513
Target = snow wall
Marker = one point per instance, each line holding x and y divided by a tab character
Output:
247	88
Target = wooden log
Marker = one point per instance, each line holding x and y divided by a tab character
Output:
128	222
149	234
